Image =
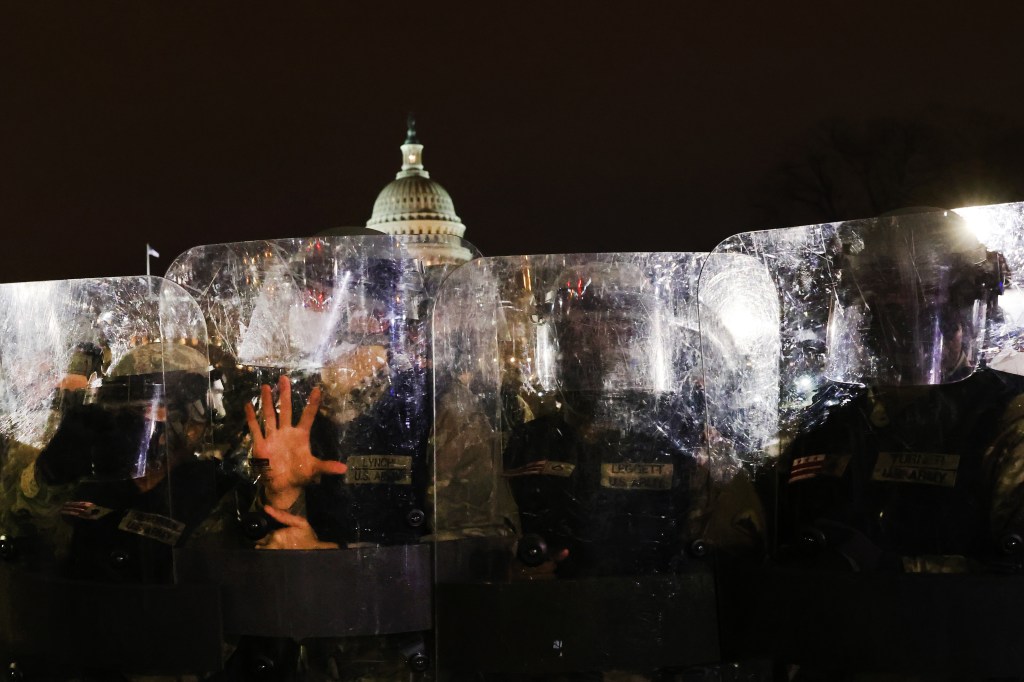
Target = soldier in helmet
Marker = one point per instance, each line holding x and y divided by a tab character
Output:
340	448
605	480
906	475
590	416
366	416
909	460
29	513
114	454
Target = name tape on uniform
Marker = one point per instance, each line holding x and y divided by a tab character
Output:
636	475
376	469
152	526
925	468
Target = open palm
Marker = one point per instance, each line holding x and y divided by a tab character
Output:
289	463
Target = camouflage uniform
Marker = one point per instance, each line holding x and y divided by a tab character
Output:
912	479
475	500
30	509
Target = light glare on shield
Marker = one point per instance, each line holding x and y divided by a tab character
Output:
979	221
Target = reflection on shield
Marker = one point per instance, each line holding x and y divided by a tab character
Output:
573	466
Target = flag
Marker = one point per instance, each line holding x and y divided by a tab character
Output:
150	251
806	467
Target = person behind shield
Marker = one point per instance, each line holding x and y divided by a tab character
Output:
364	411
347	471
113	455
30	524
359	333
921	469
606	482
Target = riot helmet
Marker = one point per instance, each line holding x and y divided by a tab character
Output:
185	373
913	295
601	320
153	404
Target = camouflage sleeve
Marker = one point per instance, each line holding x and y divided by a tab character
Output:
220	526
29	506
1004	473
736	524
468	483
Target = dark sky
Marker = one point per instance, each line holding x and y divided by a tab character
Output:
564	128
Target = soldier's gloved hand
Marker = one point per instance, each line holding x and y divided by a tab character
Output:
296	534
288	463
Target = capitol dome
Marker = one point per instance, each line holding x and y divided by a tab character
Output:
419	209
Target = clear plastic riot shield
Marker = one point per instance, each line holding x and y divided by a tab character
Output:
322	357
104	387
891	460
572	476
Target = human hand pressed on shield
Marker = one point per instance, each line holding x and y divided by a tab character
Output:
296	534
288	462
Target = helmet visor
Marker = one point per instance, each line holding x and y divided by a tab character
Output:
911	302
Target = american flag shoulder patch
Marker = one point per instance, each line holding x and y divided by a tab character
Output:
543	467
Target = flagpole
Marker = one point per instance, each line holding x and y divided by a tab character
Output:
150	251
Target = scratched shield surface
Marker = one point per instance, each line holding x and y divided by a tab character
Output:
572	462
894	346
890	441
349	319
97	381
347	315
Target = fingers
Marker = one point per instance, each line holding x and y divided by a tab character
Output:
274	540
294	538
309	412
254	426
284	387
286	518
269	416
74	382
327	466
283	415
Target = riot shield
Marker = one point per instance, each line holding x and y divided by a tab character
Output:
572	475
324	340
888	459
103	391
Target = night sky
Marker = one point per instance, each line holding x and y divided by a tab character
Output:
567	128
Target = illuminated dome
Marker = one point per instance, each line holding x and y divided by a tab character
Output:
419	209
